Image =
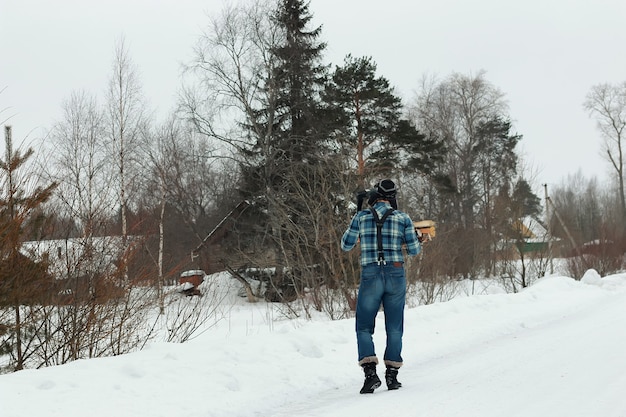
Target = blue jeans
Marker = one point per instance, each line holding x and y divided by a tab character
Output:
384	284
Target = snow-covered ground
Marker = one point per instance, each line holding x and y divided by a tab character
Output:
557	349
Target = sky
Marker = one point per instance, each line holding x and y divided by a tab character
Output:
543	55
555	349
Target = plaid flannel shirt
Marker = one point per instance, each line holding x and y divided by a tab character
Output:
397	230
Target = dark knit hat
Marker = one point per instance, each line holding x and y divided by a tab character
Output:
386	190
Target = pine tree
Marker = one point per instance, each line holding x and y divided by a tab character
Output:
281	171
22	280
289	131
371	114
300	77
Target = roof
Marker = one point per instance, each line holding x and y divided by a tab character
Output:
531	229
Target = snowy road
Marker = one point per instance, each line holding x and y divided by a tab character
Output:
573	365
557	349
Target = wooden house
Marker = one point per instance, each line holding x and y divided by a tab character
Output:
532	236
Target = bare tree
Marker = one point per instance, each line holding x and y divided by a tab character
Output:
233	94
588	221
78	161
233	68
169	154
125	117
455	111
607	104
316	268
468	114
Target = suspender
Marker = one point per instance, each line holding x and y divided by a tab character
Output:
379	235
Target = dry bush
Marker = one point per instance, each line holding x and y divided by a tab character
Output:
187	317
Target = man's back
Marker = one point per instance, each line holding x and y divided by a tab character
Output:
397	231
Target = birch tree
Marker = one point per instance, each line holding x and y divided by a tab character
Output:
125	116
607	104
456	111
468	115
229	81
79	163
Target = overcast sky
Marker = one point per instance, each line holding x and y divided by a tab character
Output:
543	55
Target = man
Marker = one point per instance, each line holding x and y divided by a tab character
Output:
382	279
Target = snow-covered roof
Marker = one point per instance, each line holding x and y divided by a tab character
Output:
192	273
532	230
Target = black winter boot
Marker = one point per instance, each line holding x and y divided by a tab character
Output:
372	381
391	375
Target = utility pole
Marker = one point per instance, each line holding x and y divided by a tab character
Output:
561	222
548	226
